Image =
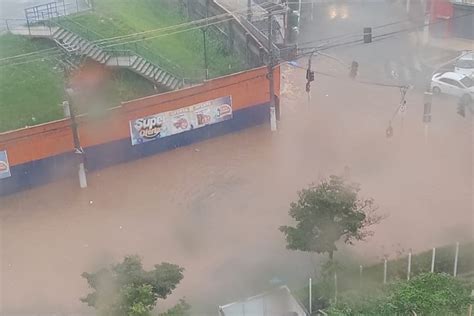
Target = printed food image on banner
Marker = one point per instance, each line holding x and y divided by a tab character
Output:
164	124
213	112
181	121
4	166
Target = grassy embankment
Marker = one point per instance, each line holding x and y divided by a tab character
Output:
32	88
30	93
181	53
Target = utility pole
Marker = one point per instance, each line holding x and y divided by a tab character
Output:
273	123
77	143
249	10
69	109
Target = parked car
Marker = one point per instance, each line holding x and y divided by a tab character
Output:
465	64
453	84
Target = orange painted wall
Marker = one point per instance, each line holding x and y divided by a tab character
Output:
246	88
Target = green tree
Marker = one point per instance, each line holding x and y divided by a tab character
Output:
326	213
126	289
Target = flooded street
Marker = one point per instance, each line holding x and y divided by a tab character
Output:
215	207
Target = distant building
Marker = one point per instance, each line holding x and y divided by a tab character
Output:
277	302
451	18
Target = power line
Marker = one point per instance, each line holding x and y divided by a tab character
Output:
28	54
166	34
56	54
394	32
381	36
167	28
190	23
355	34
357	81
171	33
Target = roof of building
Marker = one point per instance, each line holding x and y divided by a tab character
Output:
276	302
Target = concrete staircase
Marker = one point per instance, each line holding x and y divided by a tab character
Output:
75	45
144	68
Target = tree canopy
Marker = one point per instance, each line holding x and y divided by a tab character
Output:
126	289
326	213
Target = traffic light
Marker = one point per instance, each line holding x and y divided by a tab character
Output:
354	70
293	22
309	78
367	35
427	107
310	75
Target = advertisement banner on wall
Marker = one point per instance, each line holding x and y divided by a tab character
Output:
164	124
4	166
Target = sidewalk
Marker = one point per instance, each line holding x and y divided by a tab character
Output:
457	44
439	51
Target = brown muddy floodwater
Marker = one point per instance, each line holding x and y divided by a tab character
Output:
214	207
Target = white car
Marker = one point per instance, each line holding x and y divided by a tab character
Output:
453	84
465	64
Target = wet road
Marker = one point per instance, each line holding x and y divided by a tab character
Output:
337	22
215	207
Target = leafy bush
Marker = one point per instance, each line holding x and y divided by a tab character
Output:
433	294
